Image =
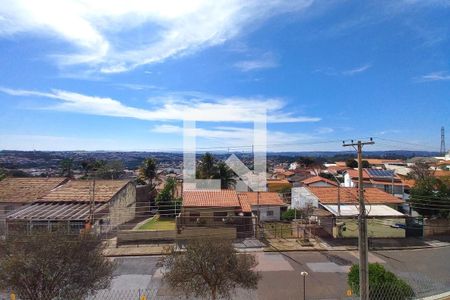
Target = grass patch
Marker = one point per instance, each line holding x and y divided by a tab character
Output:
278	229
159	224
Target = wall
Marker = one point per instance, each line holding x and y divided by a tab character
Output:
263	209
348	181
302	197
122	206
206	215
134	236
433	227
378	228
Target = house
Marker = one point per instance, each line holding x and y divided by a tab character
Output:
385	180
113	202
16	192
384	220
218	208
319	181
267	205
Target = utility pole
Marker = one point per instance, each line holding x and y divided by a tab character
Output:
92	204
362	222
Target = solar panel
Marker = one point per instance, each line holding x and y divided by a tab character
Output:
380	173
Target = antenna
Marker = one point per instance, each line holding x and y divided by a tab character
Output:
442	140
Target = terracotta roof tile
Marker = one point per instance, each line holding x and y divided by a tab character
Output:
210	198
265	198
26	190
81	191
318	179
329	195
245	204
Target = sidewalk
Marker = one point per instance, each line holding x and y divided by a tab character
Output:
285	245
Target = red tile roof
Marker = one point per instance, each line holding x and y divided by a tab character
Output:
81	191
329	195
229	198
210	198
265	198
26	190
319	179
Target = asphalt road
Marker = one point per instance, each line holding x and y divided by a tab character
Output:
427	270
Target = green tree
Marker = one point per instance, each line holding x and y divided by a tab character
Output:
430	196
67	167
352	163
48	265
207	166
2	174
211	268
111	170
166	200
382	283
226	176
147	171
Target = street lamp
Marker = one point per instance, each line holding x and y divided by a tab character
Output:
304	274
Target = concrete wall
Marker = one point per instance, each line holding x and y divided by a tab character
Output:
263	209
433	227
135	236
377	228
122	207
302	198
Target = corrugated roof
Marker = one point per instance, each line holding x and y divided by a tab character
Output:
265	198
329	195
81	191
26	190
372	210
210	198
319	179
55	211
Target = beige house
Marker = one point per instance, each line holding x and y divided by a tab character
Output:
341	211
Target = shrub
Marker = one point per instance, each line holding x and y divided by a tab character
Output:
383	284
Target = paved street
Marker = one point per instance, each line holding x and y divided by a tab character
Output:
427	269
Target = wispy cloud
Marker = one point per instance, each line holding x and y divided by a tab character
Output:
357	70
349	72
435	76
116	36
197	107
265	62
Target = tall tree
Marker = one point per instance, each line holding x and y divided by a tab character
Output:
46	265
207	167
210	268
226	176
147	171
67	167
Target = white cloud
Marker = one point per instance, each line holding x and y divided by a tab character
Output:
324	130
234	135
436	76
357	70
196	107
350	72
265	62
115	36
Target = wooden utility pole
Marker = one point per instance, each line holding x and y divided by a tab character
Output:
362	225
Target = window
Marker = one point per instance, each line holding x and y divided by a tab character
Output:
219	216
269	213
193	216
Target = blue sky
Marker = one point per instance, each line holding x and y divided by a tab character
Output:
122	75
